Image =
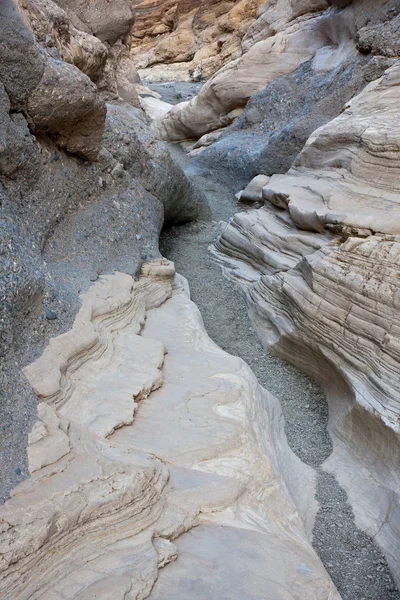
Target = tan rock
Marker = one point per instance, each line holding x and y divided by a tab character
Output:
253	190
201	36
110	66
52	25
154	107
201	445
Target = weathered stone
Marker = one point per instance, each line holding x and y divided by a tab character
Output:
192	39
292	43
320	268
146	430
58	224
107	20
66	105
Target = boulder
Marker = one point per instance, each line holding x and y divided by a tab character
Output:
107	20
53	29
66	106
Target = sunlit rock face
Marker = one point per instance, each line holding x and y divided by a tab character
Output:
189	39
287	40
319	264
146	430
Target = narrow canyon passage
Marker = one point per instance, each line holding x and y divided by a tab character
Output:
199	300
357	567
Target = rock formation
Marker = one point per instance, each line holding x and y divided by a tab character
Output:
159	467
84	189
189	39
285	36
319	266
147	429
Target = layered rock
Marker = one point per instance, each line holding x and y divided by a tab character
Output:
189	39
319	266
277	121
285	36
84	189
288	40
147	429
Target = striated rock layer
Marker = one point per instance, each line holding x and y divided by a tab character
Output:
147	429
319	264
289	37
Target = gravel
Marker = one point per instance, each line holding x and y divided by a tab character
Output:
174	93
357	567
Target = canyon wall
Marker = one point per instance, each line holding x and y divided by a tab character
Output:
84	185
286	35
319	267
318	261
189	39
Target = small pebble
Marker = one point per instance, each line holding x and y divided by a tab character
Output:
50	314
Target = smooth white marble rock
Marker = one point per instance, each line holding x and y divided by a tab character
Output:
147	429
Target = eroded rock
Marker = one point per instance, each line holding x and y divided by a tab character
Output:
66	105
146	430
81	193
189	40
291	42
319	266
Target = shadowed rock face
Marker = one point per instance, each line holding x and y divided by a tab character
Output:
319	265
277	121
104	59
146	430
84	189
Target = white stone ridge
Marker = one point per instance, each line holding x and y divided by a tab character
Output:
146	430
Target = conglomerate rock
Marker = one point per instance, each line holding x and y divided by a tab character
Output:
84	189
146	430
319	264
105	59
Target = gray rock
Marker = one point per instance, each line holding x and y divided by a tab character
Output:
107	22
67	106
21	64
58	225
50	314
